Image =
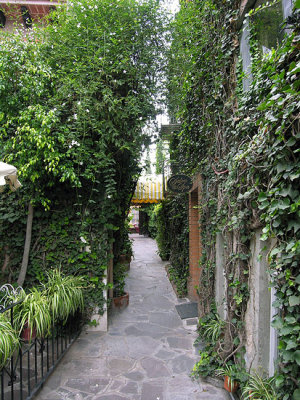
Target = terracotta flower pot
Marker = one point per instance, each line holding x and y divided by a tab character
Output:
229	385
120	302
27	334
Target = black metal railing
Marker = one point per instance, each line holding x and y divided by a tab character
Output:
34	360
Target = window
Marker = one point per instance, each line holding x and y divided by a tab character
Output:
268	25
270	32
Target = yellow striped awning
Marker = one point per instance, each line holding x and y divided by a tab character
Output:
148	192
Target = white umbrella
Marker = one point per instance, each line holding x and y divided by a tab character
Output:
8	176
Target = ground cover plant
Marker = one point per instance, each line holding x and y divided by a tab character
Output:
74	98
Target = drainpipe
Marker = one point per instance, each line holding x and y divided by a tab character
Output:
163	178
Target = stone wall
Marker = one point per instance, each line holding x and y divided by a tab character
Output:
258	314
220	282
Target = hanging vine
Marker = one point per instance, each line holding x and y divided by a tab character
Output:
244	144
74	99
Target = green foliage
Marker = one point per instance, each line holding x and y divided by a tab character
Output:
74	99
171	219
64	294
210	327
245	145
179	277
207	365
119	275
163	235
177	212
160	156
152	225
259	388
9	340
211	331
234	372
34	312
148	225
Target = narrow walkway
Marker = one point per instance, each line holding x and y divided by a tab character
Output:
147	353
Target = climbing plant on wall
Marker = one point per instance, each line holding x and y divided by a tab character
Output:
244	144
74	98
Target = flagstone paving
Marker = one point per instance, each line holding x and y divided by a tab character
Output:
147	353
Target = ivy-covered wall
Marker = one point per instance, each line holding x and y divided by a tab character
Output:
245	146
74	98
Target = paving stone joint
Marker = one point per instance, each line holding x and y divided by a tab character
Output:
148	352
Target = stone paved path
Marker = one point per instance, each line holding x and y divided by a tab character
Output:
147	353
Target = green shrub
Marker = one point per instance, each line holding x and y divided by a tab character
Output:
64	293
9	340
163	233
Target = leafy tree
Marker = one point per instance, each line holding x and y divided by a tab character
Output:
74	97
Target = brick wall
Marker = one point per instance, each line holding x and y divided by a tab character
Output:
194	239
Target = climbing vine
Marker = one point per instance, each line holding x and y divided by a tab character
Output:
75	96
245	145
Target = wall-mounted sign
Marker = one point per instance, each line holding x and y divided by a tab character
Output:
180	183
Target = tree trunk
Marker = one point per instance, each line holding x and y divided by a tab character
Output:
6	259
25	259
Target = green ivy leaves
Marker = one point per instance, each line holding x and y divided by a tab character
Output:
254	135
74	99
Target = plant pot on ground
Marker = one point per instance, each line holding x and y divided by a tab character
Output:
230	385
120	302
120	297
234	375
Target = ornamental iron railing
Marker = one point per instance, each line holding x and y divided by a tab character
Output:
31	364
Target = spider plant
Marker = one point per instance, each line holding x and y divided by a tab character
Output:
34	313
212	328
9	340
259	388
65	294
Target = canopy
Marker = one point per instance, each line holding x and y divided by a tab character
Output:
8	175
148	191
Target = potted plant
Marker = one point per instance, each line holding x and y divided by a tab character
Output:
9	340
258	387
32	316
233	376
120	297
64	293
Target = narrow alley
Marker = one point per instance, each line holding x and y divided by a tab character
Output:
147	353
